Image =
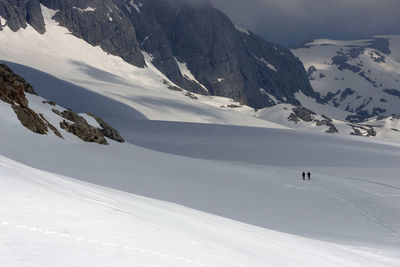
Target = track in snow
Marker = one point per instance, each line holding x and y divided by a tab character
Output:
375	207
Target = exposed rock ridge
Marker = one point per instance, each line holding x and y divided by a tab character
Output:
304	114
12	91
107	130
78	126
20	13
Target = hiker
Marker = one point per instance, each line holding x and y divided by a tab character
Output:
304	175
309	175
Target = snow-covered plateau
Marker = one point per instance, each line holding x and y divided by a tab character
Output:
200	180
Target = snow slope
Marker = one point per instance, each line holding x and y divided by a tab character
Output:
358	76
224	172
49	220
90	71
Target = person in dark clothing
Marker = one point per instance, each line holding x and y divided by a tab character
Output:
309	175
304	175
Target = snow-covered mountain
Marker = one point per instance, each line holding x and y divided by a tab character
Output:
358	76
87	80
195	46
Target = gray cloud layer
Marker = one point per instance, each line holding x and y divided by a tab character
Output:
294	21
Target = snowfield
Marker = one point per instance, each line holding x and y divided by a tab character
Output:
49	220
201	184
347	215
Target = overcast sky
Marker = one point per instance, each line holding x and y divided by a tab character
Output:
293	21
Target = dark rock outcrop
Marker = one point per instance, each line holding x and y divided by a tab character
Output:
303	114
107	130
30	119
19	13
100	22
79	127
14	86
34	16
12	91
367	129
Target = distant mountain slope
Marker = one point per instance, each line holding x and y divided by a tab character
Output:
194	45
359	76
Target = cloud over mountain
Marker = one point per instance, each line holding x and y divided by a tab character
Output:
292	21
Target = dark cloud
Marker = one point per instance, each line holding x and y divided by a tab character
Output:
294	21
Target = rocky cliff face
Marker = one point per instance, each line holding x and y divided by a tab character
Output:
12	91
19	13
227	60
194	45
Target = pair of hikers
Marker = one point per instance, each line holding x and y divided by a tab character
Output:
308	175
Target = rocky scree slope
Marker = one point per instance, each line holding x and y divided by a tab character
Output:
196	46
12	91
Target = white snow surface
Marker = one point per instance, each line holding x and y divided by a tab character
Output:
188	74
131	4
248	174
61	206
135	6
2	21
269	65
58	221
50	220
242	30
88	9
